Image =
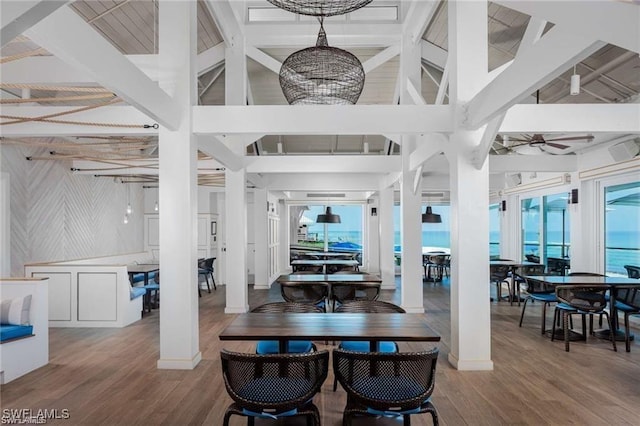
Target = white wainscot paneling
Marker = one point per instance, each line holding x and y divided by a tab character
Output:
60	302
97	296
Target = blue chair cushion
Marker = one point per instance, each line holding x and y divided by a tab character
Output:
293	347
137	292
388	388
138	278
8	332
356	346
273	390
544	297
150	287
624	307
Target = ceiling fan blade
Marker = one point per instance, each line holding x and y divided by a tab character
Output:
519	140
572	138
520	144
557	145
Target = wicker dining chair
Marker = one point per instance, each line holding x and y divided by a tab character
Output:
499	274
583	300
520	273
387	384
351	291
627	302
316	293
538	291
273	386
367	306
293	346
632	271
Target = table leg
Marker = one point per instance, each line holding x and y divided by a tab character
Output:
282	346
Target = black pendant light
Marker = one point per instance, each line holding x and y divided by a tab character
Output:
328	217
430	217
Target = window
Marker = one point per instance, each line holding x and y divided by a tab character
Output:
530	209
434	235
622	227
494	231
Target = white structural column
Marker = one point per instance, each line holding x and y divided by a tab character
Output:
235	187
261	227
470	307
410	200
385	224
178	197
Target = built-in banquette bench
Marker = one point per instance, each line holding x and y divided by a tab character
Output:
24	332
92	292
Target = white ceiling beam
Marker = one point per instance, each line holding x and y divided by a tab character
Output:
210	58
419	15
18	16
226	21
380	58
148	167
613	22
338	34
481	152
389	179
532	163
322	164
434	55
263	59
108	115
53	70
576	118
69	37
322	119
333	182
415	95
547	59
216	147
257	180
428	146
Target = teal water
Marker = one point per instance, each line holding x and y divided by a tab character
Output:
623	248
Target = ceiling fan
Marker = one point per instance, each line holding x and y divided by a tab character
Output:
538	141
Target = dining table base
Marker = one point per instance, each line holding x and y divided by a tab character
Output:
574	336
606	334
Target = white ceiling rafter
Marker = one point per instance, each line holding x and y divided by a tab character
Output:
428	147
216	147
419	15
547	59
263	59
613	22
18	16
434	55
321	119
70	38
322	164
226	21
380	58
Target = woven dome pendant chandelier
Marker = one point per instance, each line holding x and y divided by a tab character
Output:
320	7
322	75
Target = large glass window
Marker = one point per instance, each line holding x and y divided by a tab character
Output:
530	208
556	233
344	236
494	231
622	227
434	235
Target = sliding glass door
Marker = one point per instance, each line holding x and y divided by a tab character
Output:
622	227
531	245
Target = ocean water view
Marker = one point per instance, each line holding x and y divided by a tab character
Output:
623	248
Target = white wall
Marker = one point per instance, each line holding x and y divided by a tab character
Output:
56	215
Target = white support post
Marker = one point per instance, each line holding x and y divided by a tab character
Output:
261	227
470	309
235	187
410	234
178	198
385	229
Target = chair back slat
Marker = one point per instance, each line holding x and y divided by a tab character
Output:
629	295
310	293
350	291
633	271
369	306
498	272
280	307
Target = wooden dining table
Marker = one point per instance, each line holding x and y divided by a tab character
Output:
371	327
611	282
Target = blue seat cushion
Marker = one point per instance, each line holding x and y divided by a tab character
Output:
293	346
388	388
356	346
544	297
150	287
137	292
138	278
624	307
273	390
8	332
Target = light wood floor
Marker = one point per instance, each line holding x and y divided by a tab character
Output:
109	376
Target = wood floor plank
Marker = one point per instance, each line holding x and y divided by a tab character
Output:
109	376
